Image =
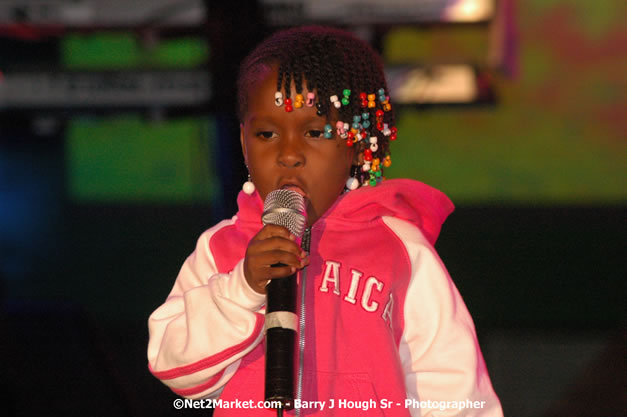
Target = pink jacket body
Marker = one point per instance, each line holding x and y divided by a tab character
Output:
384	324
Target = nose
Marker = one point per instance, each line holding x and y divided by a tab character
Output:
291	153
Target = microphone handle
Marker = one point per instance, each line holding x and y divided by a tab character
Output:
280	343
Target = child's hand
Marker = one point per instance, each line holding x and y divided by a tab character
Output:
272	245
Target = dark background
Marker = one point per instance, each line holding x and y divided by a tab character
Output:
544	282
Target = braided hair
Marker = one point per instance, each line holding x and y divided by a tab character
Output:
331	61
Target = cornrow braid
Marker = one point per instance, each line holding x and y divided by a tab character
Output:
327	61
306	67
279	80
287	86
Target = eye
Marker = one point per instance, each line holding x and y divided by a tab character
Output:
265	134
314	133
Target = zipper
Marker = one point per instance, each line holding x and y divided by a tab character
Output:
301	321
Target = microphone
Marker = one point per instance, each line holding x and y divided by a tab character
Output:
284	208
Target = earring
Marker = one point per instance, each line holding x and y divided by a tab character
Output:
248	186
352	184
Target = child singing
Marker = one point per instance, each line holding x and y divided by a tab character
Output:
381	326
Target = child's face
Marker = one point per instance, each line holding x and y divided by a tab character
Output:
289	150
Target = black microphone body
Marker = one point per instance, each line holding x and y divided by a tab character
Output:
284	208
280	343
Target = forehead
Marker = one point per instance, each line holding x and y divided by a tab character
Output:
263	82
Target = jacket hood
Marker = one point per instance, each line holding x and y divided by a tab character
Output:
413	201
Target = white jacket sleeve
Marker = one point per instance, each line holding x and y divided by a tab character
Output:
445	374
206	325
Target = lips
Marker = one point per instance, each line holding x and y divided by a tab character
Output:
293	186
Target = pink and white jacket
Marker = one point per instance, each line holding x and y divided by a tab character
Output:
383	320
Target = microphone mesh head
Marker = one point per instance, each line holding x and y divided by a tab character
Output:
285	208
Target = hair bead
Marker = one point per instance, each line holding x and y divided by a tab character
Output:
363	99
371	102
299	100
328	131
319	109
278	99
345	99
310	99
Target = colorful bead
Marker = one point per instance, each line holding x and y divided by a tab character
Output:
373	139
278	99
394	133
367	155
288	105
365	167
356	118
328	131
299	100
374	147
366	124
345	99
371	102
355	125
387	106
387	161
310	99
349	142
379	113
340	129
363	99
386	130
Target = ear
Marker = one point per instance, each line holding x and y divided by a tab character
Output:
242	142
